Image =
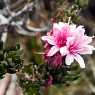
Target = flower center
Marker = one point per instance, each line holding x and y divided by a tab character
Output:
60	42
73	48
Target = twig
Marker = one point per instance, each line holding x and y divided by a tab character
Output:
25	9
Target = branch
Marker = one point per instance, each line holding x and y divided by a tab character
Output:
25	9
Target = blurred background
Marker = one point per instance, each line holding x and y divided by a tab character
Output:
22	23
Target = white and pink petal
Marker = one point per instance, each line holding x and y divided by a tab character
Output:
70	41
80	29
69	59
53	51
87	49
80	60
64	51
49	39
87	39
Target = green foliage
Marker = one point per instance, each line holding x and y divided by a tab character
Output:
10	60
82	3
30	88
70	11
62	77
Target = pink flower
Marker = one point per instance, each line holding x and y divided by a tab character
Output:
58	38
55	60
76	46
70	41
